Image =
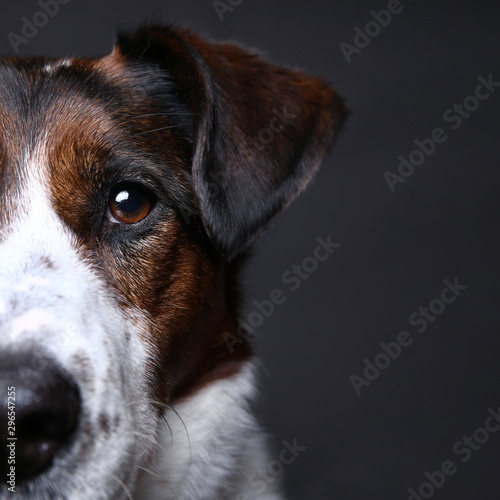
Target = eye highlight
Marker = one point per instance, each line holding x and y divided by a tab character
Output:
129	205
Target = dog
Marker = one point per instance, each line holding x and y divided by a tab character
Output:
131	187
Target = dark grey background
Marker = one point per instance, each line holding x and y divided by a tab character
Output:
396	248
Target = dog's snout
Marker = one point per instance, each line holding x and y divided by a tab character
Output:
39	412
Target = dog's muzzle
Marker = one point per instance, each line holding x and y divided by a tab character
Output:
44	409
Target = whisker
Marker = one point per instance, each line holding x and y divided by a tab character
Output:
147	115
169	428
156	130
124	486
171	408
165	419
149	471
185	429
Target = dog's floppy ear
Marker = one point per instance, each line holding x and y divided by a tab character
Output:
260	130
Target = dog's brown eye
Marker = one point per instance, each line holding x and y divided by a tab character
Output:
129	205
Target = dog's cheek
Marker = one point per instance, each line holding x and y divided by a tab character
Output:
164	278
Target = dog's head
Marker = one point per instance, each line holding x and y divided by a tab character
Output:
127	184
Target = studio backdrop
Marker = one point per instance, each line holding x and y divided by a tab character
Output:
380	360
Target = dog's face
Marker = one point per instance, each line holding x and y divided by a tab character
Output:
127	184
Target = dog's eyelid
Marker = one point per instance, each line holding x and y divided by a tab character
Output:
143	175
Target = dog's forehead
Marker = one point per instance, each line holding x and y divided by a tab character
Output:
49	99
41	104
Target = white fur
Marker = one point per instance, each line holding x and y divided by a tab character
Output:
210	445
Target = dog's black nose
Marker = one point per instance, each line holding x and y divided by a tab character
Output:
39	409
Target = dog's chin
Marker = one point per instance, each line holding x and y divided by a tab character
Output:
65	481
